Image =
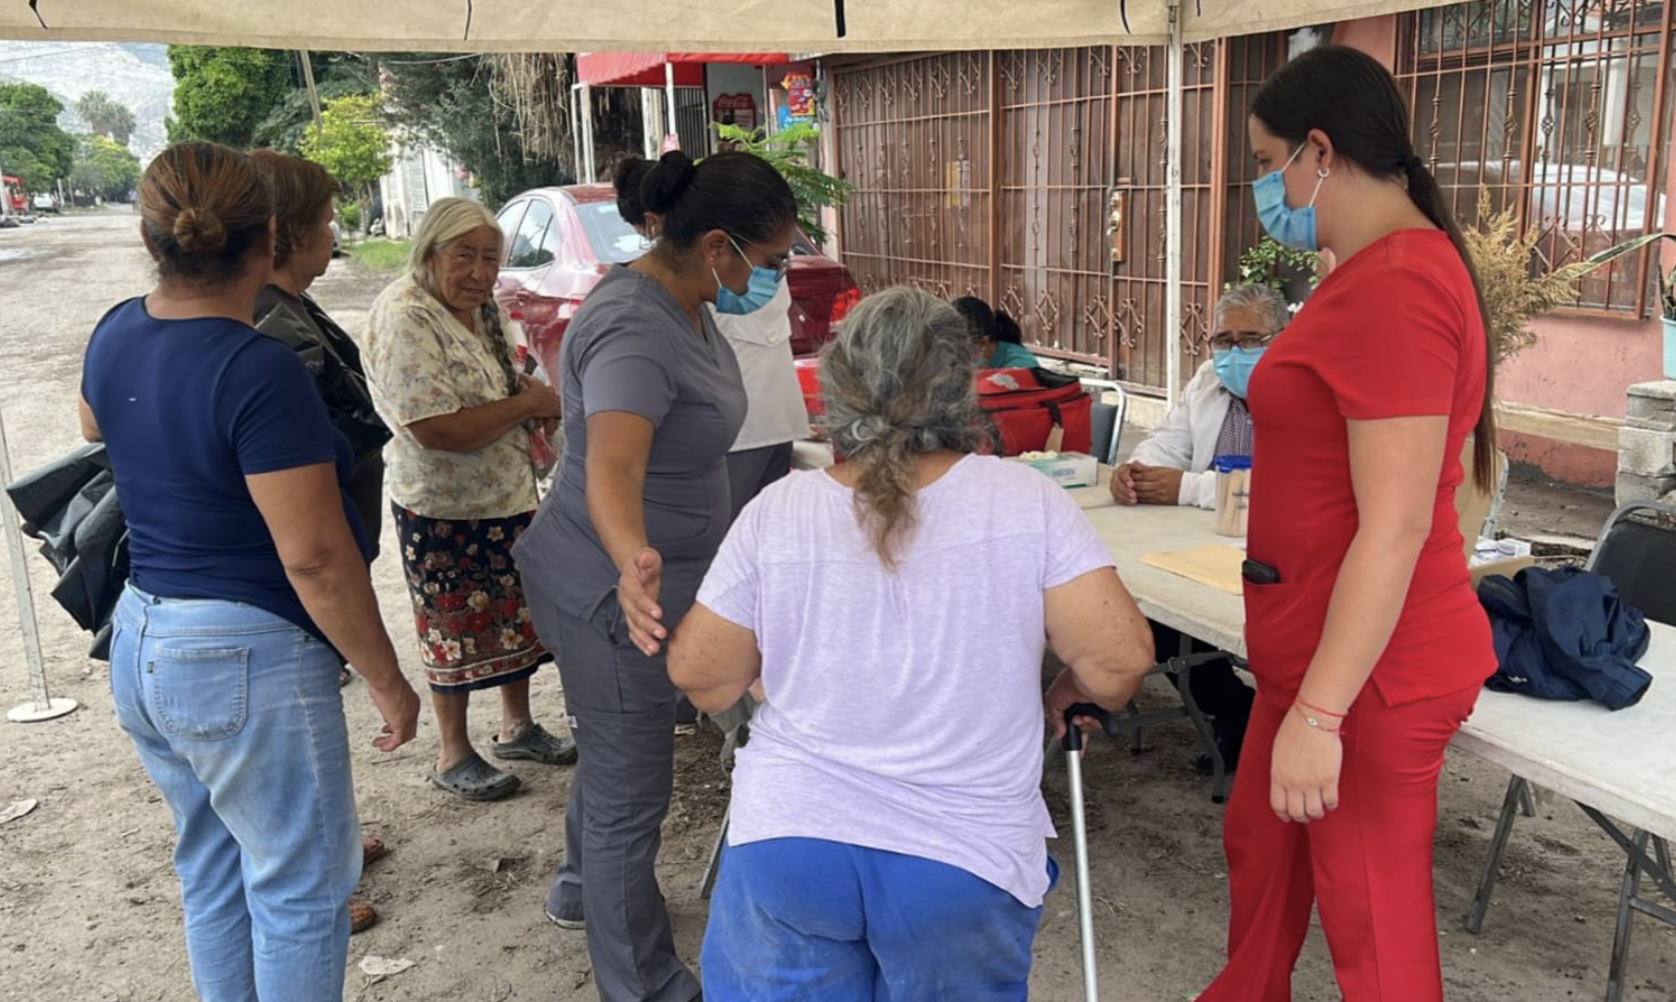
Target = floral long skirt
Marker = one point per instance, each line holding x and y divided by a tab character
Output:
468	603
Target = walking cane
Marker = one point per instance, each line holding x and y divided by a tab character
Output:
1079	830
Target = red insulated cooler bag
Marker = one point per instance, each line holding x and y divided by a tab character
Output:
1026	404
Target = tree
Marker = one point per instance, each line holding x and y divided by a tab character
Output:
222	94
451	102
106	117
335	75
105	168
32	146
351	143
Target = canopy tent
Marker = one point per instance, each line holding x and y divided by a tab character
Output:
632	26
639	25
658	69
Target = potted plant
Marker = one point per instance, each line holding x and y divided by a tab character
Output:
1292	273
1667	291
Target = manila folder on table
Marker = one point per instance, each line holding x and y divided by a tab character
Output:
1213	564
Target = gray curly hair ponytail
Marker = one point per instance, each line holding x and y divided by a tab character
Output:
897	383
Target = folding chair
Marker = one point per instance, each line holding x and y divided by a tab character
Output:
1107	418
1636	549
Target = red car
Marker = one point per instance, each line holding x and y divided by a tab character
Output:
560	241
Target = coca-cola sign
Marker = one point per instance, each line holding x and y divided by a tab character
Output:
736	109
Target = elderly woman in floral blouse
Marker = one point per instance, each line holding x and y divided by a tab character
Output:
461	472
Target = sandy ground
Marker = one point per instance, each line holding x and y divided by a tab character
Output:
89	907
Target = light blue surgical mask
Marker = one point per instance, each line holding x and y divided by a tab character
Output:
1234	365
1294	228
759	291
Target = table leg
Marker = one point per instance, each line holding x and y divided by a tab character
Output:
1517	790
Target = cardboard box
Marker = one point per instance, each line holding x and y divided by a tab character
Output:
1507	566
1067	469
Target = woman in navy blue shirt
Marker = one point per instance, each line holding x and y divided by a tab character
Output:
249	588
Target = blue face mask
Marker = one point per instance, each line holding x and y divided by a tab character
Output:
1233	366
1294	228
759	291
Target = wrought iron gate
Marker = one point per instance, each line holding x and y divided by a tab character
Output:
997	174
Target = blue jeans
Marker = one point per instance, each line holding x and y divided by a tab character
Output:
807	920
237	718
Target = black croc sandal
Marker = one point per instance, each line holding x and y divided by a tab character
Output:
471	778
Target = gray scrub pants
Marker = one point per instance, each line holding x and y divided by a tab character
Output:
622	715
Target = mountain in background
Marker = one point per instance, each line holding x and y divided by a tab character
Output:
134	74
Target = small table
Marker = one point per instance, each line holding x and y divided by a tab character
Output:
1614	765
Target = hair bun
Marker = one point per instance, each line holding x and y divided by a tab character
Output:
666	182
199	231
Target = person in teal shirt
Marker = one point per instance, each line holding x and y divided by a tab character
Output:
996	338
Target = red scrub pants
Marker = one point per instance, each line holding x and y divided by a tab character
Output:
1366	866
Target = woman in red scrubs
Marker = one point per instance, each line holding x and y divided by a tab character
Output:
1362	628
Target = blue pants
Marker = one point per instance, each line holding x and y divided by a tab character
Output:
237	718
807	920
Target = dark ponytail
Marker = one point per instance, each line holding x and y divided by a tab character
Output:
627	180
1007	329
980	319
739	193
1353	98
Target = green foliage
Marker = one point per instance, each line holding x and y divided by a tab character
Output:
351	141
349	216
450	102
790	151
105	116
380	255
32	146
223	94
335	75
1271	264
106	168
1667	280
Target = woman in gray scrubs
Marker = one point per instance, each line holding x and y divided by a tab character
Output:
652	400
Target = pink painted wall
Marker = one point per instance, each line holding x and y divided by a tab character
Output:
1582	364
1377	36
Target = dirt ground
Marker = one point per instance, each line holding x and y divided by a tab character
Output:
89	907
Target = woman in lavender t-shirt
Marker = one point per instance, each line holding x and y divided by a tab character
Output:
895	609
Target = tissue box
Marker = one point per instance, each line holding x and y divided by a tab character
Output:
1067	469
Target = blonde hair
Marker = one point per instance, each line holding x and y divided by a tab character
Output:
447	220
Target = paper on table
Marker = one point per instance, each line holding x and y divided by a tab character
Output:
1216	565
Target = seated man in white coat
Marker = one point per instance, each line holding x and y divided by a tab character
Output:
1172	466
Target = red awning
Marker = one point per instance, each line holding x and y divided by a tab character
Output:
645	69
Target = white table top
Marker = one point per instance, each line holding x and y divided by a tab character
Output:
1618	762
1213	616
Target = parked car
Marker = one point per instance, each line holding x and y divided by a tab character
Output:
560	241
337	236
45	202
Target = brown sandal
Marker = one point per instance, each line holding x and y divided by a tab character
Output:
371	850
362	916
